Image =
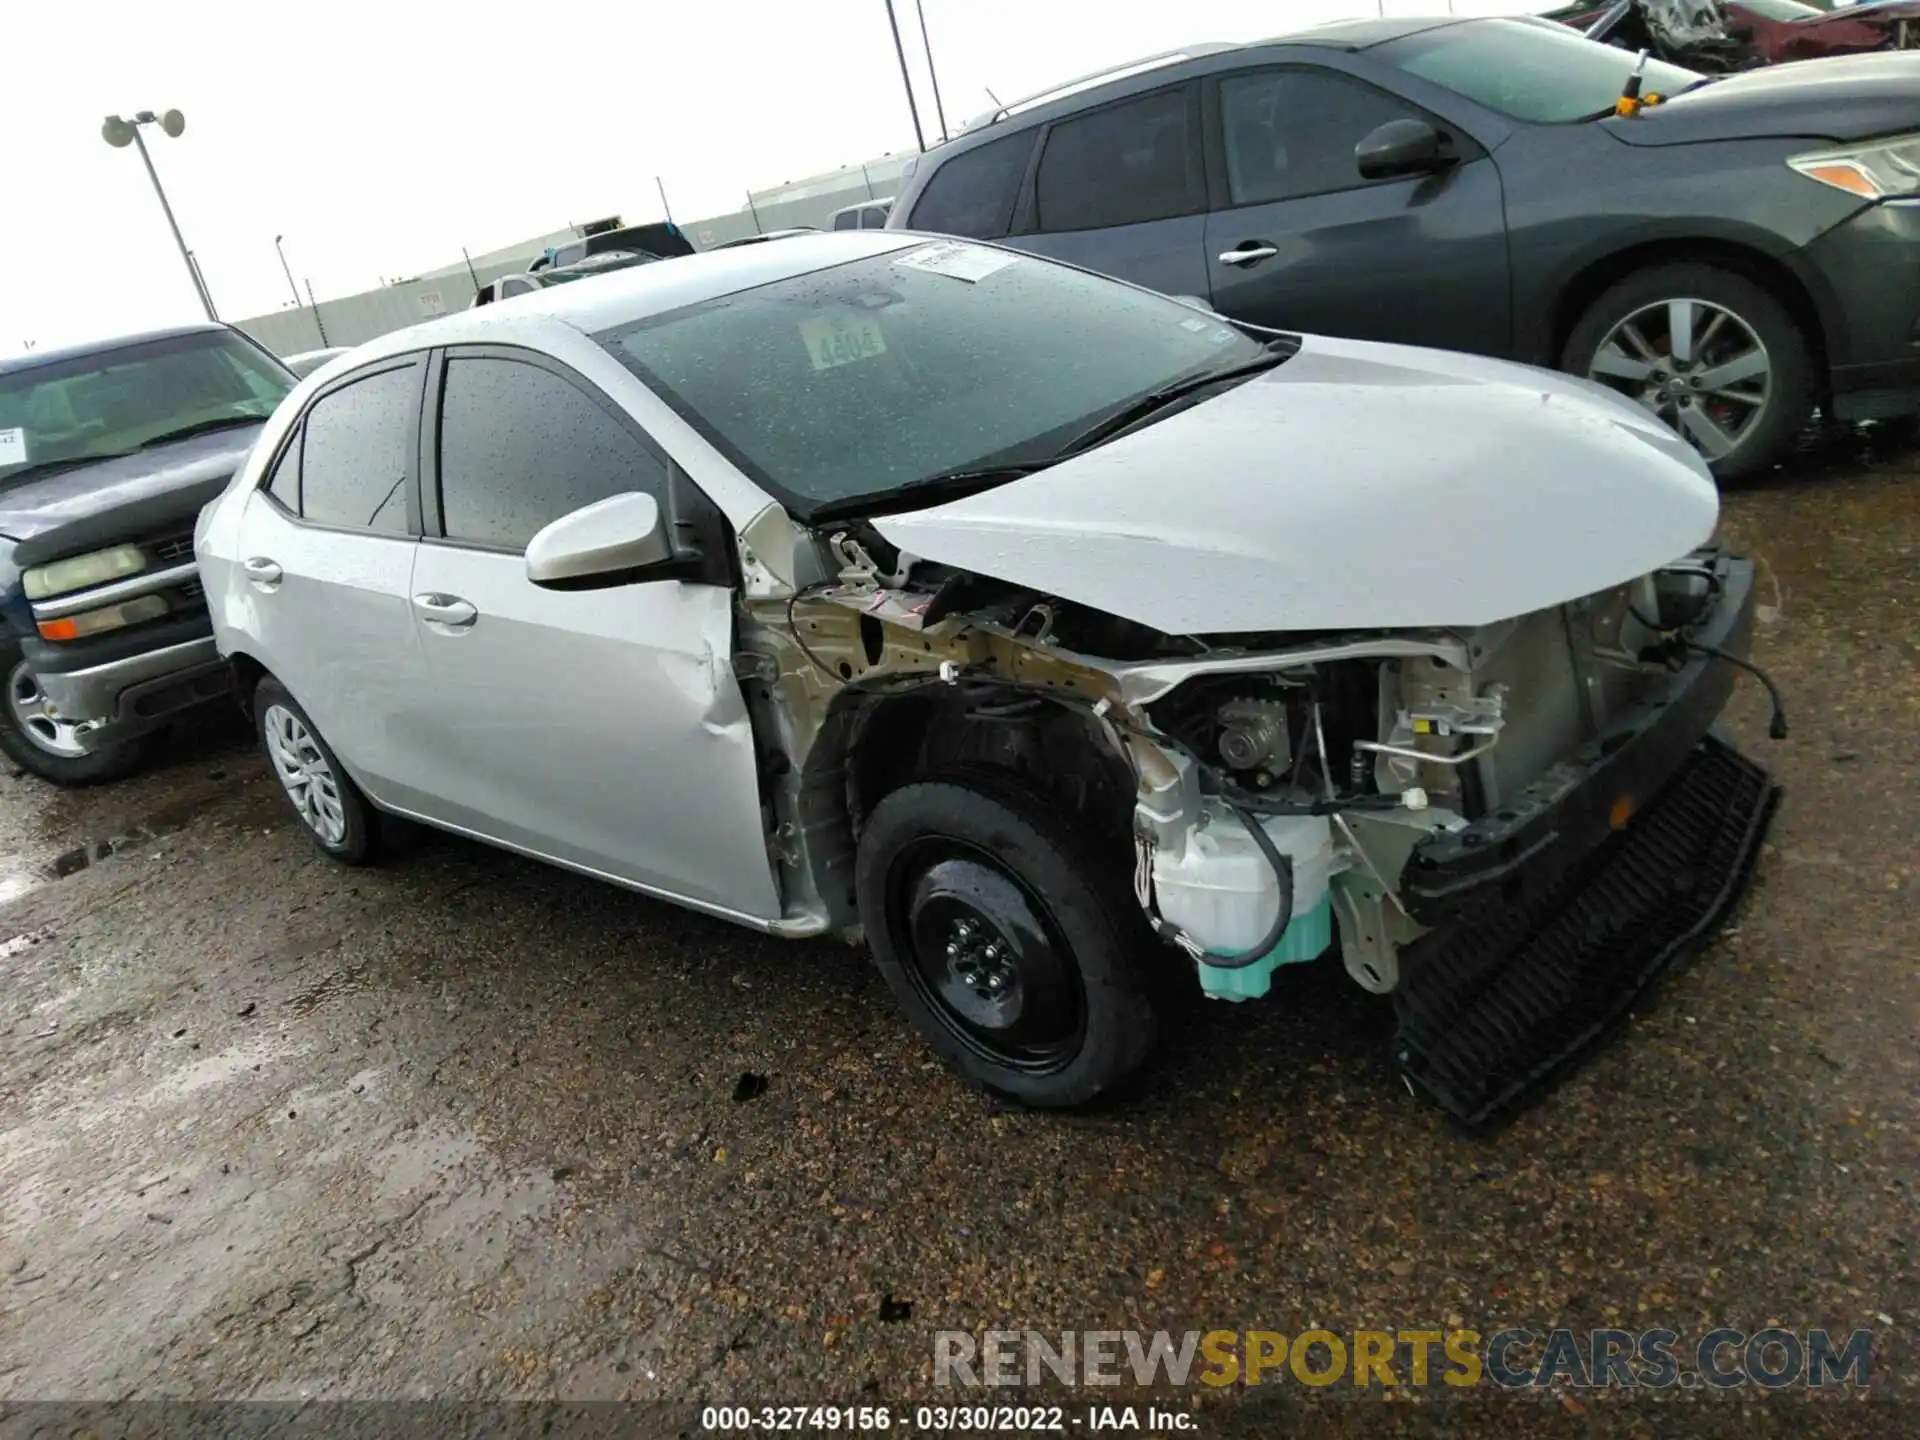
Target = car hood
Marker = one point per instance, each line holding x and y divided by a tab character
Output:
1357	486
1844	97
160	482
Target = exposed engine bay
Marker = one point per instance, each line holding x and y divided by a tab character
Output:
1277	790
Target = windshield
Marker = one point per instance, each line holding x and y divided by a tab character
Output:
1531	70
851	382
114	401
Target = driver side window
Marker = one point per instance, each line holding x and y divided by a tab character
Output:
520	446
1291	133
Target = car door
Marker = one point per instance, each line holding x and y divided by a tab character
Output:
601	728
1122	190
326	547
1297	239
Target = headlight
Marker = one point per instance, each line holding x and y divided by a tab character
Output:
83	571
108	617
1873	172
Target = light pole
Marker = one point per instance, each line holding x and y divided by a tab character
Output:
939	112
906	79
121	133
287	269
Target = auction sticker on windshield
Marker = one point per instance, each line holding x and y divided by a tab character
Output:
13	446
842	338
962	262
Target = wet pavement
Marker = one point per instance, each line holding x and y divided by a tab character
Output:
465	1126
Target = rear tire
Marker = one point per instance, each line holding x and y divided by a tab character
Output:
42	746
1009	940
1626	330
329	806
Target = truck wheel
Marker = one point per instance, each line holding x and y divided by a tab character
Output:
1712	353
44	744
335	815
1008	939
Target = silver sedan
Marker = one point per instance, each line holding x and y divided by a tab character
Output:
1056	636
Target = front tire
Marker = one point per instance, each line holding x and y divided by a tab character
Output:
329	806
1007	938
1714	354
44	745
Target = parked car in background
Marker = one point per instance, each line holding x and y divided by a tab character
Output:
661	240
308	361
508	286
867	215
1017	617
1724	35
1730	258
107	453
766	235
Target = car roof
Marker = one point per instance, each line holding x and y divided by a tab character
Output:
1365	33
1151	71
625	295
33	358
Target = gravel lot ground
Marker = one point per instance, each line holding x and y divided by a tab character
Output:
464	1126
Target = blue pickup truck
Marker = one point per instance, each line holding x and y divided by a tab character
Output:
107	454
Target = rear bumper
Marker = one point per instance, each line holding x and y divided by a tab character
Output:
125	698
1579	804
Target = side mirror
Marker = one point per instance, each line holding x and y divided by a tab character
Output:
1401	147
604	543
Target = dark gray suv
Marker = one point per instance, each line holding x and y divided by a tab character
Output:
1731	252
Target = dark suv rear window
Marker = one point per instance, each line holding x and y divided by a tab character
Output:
972	194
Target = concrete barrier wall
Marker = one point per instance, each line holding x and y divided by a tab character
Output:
355	319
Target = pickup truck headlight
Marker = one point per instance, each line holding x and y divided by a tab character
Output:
1878	171
82	572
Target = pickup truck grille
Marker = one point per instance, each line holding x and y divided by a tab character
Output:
171	549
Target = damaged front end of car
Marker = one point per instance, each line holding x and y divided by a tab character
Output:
1511	829
1716	38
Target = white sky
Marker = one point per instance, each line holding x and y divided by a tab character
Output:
381	137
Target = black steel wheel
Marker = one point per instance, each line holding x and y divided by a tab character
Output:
984	956
1007	940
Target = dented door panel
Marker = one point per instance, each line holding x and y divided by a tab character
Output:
602	729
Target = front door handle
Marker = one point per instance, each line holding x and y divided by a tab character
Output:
449	611
264	573
1251	253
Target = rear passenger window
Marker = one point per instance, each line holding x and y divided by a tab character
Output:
972	194
357	453
520	446
1119	166
847	220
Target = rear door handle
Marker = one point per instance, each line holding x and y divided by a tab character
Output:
1252	253
262	572
449	611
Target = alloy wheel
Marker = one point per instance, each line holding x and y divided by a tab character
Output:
27	704
305	774
1697	365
